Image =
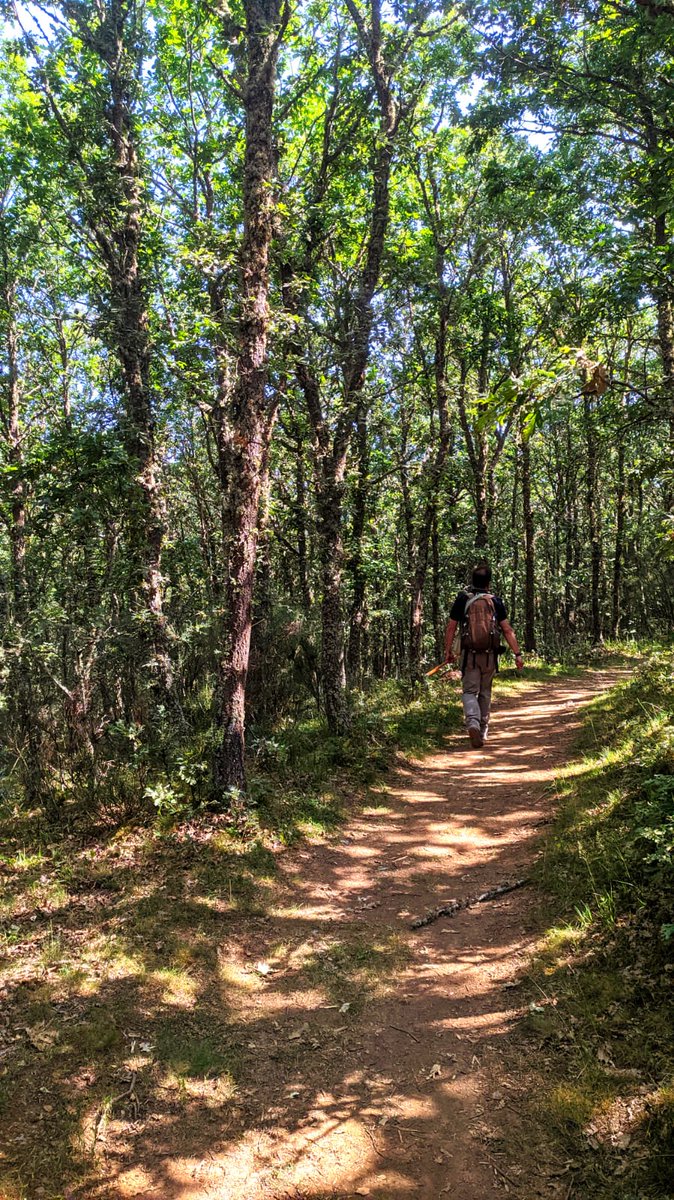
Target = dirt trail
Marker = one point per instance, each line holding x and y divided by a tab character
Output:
410	1096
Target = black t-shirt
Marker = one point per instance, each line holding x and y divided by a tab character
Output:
459	608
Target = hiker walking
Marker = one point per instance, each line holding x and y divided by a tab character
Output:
482	617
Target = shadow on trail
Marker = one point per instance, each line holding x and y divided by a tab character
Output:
185	1044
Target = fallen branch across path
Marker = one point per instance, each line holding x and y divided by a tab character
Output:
450	910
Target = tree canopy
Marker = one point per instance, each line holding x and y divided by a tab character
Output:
304	308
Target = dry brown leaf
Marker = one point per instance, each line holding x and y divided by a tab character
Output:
41	1038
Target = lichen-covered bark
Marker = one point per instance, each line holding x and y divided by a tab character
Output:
358	616
251	416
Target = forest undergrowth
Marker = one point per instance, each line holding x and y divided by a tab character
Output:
127	950
123	957
602	988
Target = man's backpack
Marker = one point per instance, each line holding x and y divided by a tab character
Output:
480	629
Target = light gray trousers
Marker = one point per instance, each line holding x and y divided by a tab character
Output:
477	681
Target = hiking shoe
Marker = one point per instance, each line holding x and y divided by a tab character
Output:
476	739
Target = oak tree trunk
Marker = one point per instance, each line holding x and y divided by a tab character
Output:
252	415
358	616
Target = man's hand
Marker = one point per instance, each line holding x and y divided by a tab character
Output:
519	662
451	659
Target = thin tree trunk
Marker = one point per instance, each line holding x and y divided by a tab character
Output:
665	310
112	201
252	415
65	381
529	550
261	681
592	501
481	496
301	525
333	666
121	253
358	617
571	537
619	541
21	678
433	471
417	606
438	630
514	522
620	506
330	450
477	456
482	481
17	532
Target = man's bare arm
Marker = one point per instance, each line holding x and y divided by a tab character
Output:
509	635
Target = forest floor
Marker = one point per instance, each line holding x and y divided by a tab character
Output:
160	1040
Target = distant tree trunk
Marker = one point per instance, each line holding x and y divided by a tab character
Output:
436	615
417	606
620	509
593	520
121	253
113	204
358	617
433	471
65	367
571	536
482	496
17	529
148	517
476	446
482	481
529	549
331	448
619	541
21	684
515	538
330	456
301	525
331	550
252	415
665	309
261	682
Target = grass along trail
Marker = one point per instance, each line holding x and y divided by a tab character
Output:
316	1046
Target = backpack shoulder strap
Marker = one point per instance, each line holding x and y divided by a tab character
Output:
477	596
